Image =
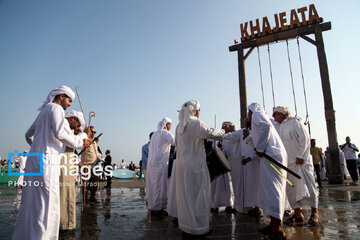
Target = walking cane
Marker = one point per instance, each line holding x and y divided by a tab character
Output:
85	157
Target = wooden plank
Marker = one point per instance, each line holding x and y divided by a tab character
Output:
308	39
249	52
242	86
293	33
335	175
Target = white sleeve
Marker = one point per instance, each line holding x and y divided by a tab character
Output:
264	131
234	137
303	138
29	135
170	138
62	131
210	133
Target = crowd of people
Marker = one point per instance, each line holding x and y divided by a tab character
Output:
273	163
179	184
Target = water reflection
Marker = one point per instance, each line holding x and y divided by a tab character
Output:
123	214
107	206
89	228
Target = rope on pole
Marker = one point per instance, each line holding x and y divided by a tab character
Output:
291	76
261	79
271	77
307	120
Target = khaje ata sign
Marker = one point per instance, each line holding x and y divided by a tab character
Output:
296	18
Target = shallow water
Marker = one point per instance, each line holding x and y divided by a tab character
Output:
122	214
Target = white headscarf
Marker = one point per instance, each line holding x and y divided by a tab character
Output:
286	111
163	123
282	109
78	115
187	112
57	91
256	107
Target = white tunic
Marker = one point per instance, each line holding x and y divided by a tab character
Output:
244	178
22	162
297	144
192	177
171	203
220	192
157	169
343	164
272	189
39	213
232	149
251	178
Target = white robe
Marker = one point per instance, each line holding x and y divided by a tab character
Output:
232	149
192	177
39	214
297	144
252	180
157	169
171	203
343	164
22	163
272	188
244	178
220	192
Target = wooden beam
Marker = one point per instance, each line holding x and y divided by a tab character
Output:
308	39
335	174
249	52
293	33
242	86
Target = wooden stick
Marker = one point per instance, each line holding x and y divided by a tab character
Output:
84	182
77	93
91	114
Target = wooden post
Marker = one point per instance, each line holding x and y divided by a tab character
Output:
335	175
242	86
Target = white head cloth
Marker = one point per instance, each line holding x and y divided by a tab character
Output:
282	109
286	111
256	107
163	123
57	91
187	112
78	115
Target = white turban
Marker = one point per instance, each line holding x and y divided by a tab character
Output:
256	107
163	123
187	112
78	115
282	109
57	91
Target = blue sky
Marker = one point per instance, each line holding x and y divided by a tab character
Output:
138	61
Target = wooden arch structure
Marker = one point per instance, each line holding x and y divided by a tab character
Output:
313	25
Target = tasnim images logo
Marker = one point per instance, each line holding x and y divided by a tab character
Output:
52	166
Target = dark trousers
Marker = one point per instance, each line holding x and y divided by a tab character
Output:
351	166
108	180
317	170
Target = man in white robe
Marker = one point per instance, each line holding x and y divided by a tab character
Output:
171	207
39	213
297	144
343	166
272	188
21	162
220	187
157	166
193	186
68	174
221	193
244	178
